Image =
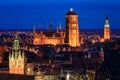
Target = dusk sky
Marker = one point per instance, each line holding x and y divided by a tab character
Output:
26	13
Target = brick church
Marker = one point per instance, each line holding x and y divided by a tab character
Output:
70	36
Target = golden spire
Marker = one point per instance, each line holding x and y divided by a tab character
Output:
60	27
34	30
106	21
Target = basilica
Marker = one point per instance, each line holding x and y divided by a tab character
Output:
70	36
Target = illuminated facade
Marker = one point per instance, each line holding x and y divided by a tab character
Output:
49	37
16	59
72	29
107	30
70	36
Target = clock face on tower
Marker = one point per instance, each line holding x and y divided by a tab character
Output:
13	63
19	63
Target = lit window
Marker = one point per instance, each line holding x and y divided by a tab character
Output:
74	18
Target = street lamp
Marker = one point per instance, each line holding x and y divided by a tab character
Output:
68	76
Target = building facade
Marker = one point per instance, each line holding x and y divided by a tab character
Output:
69	36
107	30
72	29
49	37
16	59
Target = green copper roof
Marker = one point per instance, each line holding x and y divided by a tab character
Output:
101	49
16	43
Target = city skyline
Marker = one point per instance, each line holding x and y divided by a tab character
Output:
59	40
26	14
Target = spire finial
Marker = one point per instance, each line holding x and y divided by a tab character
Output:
60	27
34	29
23	54
50	25
16	42
107	16
57	29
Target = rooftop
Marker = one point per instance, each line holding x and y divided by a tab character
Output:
71	12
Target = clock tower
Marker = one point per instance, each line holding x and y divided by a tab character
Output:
107	30
72	29
16	59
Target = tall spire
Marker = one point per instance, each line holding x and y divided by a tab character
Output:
57	29
9	55
16	43
23	54
50	25
19	53
34	30
106	16
106	21
60	27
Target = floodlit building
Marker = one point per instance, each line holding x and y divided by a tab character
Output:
107	30
72	29
69	36
16	59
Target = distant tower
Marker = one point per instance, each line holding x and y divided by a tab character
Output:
101	54
34	30
107	30
60	27
72	29
37	38
50	27
16	59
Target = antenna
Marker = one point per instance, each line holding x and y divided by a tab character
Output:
106	14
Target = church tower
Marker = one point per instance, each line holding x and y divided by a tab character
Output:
37	38
107	30
101	54
72	29
16	59
50	27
